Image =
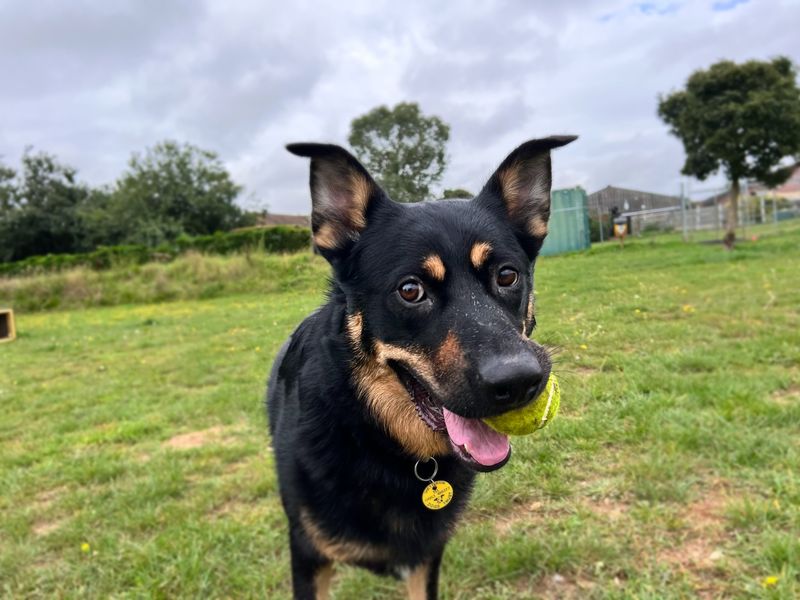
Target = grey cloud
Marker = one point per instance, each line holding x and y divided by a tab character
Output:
95	81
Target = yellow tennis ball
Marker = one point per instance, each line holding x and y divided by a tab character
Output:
537	414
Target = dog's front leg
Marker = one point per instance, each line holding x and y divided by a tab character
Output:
422	582
311	573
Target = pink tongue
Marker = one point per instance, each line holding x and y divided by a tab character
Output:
483	443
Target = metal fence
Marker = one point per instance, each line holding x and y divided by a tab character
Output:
568	229
707	217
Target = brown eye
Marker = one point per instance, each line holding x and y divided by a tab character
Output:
411	291
507	277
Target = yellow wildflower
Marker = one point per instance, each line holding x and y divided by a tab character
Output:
770	582
85	547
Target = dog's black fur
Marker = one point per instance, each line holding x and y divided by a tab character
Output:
422	318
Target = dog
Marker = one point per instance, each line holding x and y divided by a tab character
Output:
375	402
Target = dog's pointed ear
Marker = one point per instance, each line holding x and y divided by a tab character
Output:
342	192
519	190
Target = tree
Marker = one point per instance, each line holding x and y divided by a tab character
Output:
743	119
174	189
402	148
7	188
39	213
457	193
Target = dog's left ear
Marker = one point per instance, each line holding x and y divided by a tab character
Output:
520	190
342	195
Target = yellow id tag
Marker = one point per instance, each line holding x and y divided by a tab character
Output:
437	495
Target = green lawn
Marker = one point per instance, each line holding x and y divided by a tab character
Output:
134	460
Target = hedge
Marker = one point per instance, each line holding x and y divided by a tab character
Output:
280	238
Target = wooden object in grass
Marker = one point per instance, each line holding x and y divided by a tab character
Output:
7	330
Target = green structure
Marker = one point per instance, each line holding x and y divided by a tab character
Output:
568	229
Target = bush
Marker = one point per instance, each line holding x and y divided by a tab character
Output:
281	238
191	276
594	230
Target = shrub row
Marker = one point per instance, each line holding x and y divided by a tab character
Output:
280	238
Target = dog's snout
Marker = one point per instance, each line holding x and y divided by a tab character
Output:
511	380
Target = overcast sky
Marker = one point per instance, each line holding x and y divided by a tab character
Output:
93	81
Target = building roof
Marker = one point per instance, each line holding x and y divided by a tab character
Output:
790	188
270	219
610	196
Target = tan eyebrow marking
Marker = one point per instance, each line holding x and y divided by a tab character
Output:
479	253
434	266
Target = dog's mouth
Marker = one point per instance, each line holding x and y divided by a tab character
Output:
474	442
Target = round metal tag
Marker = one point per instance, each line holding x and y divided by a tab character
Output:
437	495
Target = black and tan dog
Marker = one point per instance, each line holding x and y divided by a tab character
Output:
425	332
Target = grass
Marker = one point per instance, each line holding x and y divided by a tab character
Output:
191	276
134	460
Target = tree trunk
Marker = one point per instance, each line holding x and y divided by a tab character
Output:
732	215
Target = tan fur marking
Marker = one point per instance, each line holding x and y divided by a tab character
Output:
510	182
389	401
450	356
322	582
479	253
537	226
340	223
434	266
340	550
524	199
388	398
326	237
419	363
355	326
417	582
361	190
528	315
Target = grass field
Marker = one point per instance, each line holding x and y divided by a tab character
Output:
134	460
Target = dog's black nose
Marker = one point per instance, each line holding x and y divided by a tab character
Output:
511	380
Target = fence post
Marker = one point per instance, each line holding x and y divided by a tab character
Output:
774	209
683	215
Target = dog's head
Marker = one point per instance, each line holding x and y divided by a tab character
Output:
439	297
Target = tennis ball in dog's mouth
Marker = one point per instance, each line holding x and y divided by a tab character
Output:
537	414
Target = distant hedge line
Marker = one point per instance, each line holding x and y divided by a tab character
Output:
280	238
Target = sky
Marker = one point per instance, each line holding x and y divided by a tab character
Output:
94	81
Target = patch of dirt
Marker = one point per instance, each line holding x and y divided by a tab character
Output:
700	545
788	396
244	511
532	513
583	370
219	435
560	587
227	508
611	509
45	499
42	528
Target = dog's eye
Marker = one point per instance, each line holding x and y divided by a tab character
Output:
507	277
411	291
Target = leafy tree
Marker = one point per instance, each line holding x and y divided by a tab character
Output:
743	119
103	223
7	188
402	148
173	189
39	214
457	193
